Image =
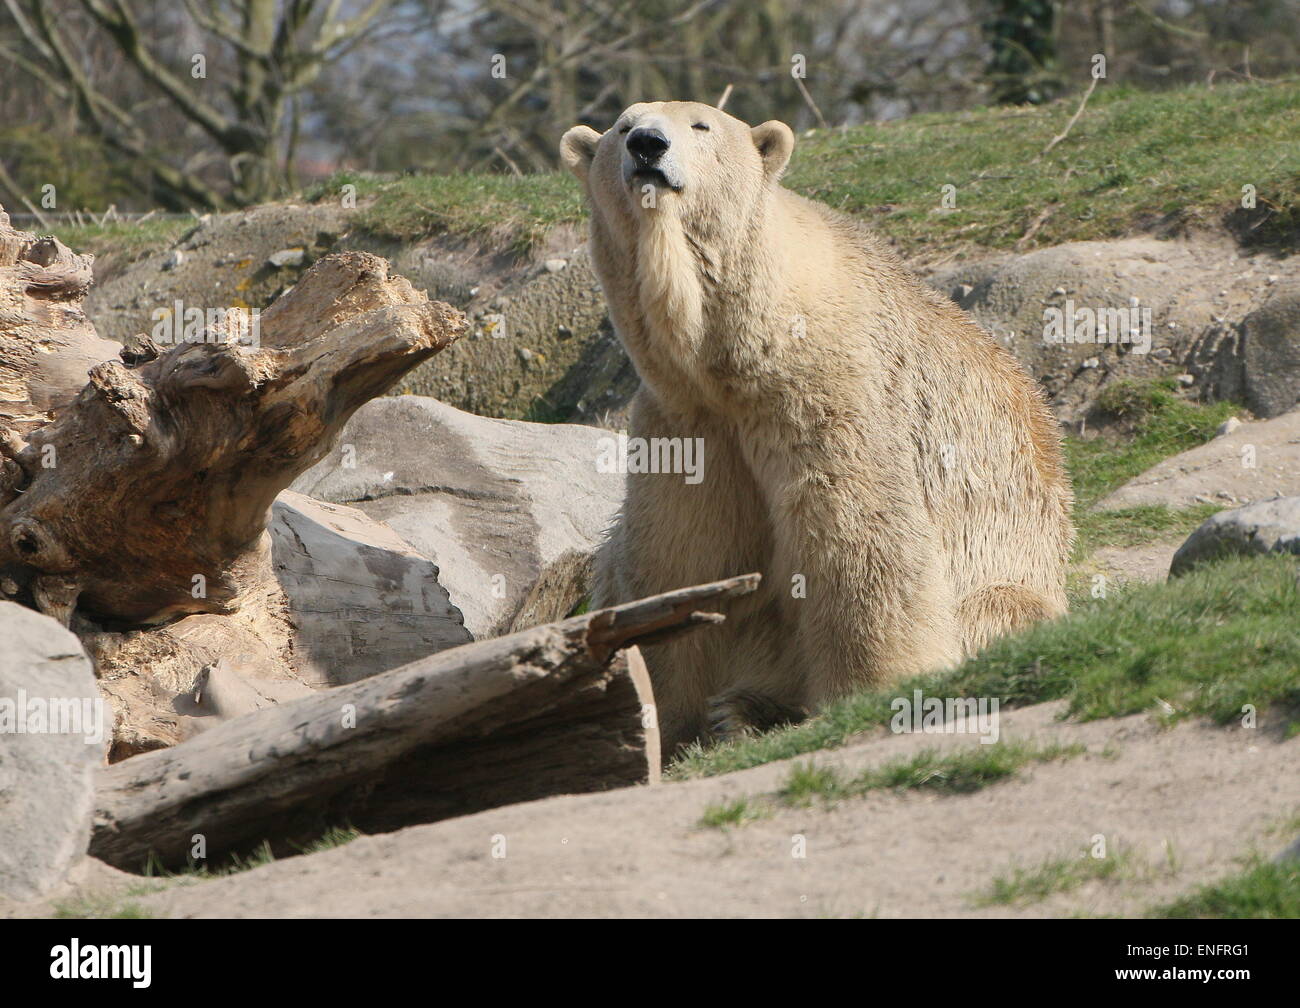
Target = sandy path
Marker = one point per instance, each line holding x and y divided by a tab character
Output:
1210	795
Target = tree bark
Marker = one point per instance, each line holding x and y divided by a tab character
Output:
539	712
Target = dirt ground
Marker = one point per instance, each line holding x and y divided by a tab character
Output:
1147	562
1182	806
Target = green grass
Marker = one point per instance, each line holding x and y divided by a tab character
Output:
335	836
1161	422
1265	889
964	771
512	213
1225	635
959	772
1052	876
807	781
128	239
1132	160
1136	525
731	813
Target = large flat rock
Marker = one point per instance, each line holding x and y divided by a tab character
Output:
509	512
1221	472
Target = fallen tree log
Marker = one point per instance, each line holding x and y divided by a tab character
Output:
539	712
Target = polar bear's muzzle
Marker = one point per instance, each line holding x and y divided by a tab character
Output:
648	158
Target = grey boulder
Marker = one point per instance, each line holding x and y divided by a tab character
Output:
54	730
1271	526
1272	353
508	512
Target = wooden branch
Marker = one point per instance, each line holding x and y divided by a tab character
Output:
511	719
157	498
1069	125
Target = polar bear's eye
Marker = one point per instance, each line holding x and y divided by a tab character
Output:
701	126
625	129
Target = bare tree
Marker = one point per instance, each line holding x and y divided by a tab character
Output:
246	115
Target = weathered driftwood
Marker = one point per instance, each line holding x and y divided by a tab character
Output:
47	345
135	493
148	496
540	712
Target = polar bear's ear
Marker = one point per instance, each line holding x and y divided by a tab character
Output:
775	142
577	148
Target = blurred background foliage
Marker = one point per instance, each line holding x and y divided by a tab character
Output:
214	103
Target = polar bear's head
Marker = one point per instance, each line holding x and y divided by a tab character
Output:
680	155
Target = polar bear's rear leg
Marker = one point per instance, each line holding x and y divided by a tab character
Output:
1003	608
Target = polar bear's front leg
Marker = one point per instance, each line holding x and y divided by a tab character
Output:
673	533
876	605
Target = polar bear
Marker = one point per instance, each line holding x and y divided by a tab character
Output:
881	460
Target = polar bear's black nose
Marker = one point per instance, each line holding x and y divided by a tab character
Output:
647	145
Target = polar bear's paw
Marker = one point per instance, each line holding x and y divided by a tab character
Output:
740	712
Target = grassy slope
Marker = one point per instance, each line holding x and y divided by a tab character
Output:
1131	161
1161	423
1221	637
127	239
